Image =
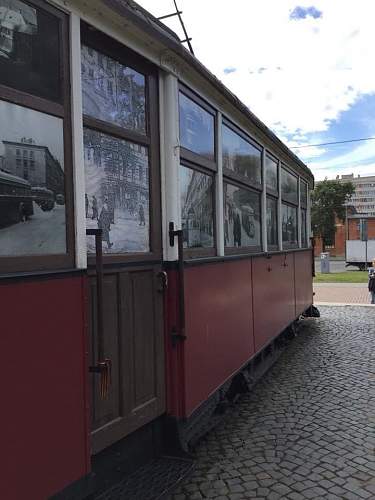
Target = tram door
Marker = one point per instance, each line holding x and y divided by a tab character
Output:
122	199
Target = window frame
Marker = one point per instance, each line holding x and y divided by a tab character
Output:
61	110
248	249
187	153
273	248
269	191
230	173
289	171
197	252
286	245
102	43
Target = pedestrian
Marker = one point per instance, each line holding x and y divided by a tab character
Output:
237	229
371	285
104	223
87	205
141	214
94	208
22	212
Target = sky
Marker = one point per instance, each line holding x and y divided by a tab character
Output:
306	69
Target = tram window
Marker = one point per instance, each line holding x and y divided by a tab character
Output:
113	92
197	127
271	174
240	157
116	200
289	187
289	225
303	228
242	226
31	223
30	50
272	227
197	215
303	193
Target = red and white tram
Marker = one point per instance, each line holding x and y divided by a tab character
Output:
135	308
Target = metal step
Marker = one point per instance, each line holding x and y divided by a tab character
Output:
151	482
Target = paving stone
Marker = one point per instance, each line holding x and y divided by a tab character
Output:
307	428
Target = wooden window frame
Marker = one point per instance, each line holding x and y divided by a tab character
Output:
191	253
273	248
229	250
270	191
233	175
286	245
187	154
289	171
62	110
102	43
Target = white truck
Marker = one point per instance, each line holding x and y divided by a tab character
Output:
359	253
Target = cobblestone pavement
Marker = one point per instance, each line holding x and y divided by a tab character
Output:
345	293
307	430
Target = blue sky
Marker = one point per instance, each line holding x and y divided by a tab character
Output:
306	69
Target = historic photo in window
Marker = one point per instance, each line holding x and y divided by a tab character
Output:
196	208
32	195
289	225
117	193
29	49
112	92
241	217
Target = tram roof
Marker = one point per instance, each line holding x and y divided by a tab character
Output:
13	178
147	22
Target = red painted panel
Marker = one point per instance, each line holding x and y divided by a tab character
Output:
273	290
219	326
304	291
43	418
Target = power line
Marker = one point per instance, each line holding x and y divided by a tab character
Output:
331	143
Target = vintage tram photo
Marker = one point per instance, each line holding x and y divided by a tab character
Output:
149	223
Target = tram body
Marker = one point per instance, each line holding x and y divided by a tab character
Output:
15	199
177	253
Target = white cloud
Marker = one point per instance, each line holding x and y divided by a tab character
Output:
315	69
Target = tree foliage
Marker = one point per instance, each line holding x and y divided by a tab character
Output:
328	202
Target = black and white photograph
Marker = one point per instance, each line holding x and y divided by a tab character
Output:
289	224
32	195
117	193
271	213
289	187
112	92
241	217
18	21
196	208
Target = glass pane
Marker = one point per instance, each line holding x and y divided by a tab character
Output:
196	128
196	208
32	196
303	193
303	229
289	225
271	174
117	193
272	222
289	187
112	92
241	217
29	49
241	157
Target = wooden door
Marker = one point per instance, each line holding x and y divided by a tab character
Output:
122	199
133	340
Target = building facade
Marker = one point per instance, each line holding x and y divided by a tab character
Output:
363	199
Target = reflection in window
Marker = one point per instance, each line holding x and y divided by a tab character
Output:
116	200
271	174
272	238
32	222
289	187
289	225
303	193
29	49
303	228
196	208
112	92
241	217
241	157
196	128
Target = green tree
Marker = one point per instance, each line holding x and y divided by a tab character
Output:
328	202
